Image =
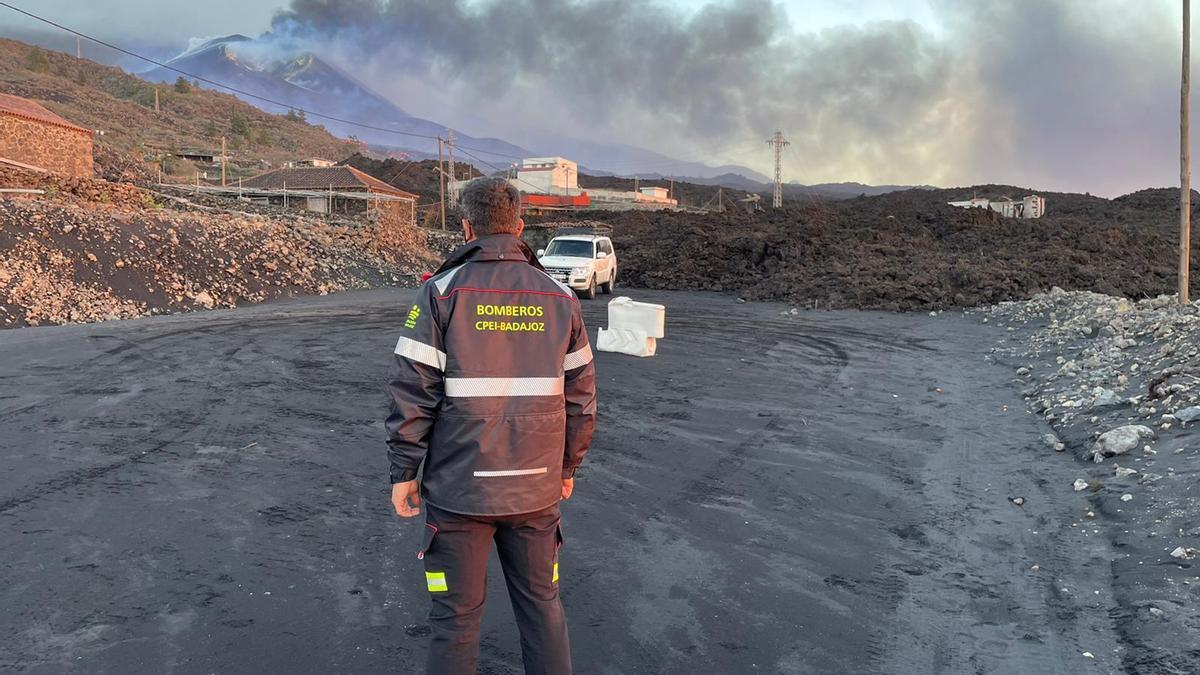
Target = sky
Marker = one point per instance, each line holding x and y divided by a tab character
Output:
1051	94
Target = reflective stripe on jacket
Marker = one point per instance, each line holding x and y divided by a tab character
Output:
495	389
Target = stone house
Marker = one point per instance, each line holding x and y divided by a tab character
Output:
333	189
34	136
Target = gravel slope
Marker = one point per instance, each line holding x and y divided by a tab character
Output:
1119	382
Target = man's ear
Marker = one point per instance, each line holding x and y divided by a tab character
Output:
520	226
468	231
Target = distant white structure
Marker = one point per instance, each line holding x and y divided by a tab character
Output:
643	198
312	161
548	175
553	182
1032	206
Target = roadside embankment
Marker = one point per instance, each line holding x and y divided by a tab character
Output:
89	250
1119	382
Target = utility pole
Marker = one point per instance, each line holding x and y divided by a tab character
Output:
156	99
721	200
1185	165
450	153
780	143
441	183
222	161
78	48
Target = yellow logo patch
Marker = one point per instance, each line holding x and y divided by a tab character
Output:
413	315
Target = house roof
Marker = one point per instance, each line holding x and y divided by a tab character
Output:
322	178
31	110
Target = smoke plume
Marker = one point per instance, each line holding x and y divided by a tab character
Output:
1055	93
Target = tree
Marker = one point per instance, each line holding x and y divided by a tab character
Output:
239	126
182	85
211	129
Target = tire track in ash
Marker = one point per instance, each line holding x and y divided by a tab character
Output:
197	419
134	355
757	448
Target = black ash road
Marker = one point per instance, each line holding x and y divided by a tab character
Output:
820	493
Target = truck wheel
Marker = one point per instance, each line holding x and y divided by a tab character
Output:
590	293
607	288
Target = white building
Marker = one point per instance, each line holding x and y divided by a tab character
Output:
643	198
548	175
1032	206
312	161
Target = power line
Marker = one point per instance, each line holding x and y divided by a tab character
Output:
235	90
307	112
493	167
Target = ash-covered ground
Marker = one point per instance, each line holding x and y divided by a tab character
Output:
776	492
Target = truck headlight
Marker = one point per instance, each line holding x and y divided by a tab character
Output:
580	272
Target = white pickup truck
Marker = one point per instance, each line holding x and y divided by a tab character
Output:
585	262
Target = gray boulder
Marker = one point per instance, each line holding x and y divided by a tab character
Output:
1120	441
1188	415
1107	398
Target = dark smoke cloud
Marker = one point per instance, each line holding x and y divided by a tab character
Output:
1054	93
717	80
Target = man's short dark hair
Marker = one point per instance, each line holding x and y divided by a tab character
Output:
492	205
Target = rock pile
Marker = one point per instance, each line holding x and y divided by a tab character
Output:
1119	382
90	250
906	250
1111	357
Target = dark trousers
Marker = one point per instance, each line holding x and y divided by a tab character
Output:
456	553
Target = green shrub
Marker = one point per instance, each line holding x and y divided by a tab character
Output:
36	60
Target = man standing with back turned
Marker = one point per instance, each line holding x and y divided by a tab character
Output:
495	395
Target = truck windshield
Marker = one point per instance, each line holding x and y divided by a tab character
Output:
571	248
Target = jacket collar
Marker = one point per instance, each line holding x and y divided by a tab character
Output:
493	247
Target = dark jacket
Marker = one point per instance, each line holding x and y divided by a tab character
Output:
495	389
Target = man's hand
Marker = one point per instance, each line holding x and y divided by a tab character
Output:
406	498
568	487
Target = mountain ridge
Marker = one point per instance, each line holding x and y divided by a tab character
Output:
307	81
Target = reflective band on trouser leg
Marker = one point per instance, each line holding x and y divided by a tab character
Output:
436	581
479	387
421	353
578	358
555	579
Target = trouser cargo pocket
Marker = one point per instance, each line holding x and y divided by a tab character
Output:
558	542
426	542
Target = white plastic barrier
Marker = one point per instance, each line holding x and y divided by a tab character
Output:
627	314
633	327
632	342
